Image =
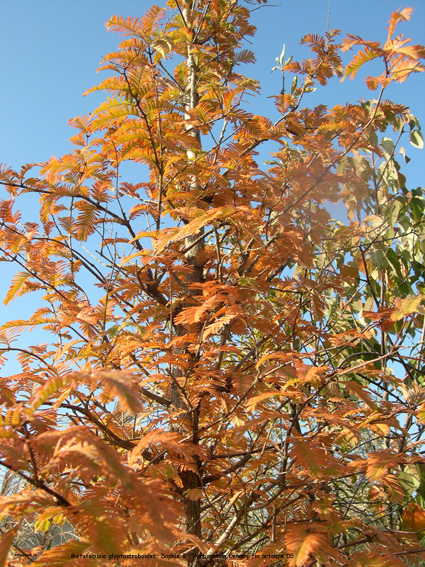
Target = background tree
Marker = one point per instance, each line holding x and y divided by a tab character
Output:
231	371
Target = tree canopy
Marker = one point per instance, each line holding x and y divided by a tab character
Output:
232	374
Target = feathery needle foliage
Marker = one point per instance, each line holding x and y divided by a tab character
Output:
230	370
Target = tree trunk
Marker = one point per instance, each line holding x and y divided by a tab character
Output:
190	416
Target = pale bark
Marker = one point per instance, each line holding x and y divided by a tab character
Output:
189	478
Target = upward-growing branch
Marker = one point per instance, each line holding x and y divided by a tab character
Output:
194	251
194	245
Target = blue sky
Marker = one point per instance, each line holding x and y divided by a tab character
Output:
50	51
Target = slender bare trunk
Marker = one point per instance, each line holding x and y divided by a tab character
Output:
189	478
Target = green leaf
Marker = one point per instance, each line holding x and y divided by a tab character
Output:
417	206
416	139
113	331
373	138
377	259
388	145
414	123
394	212
394	260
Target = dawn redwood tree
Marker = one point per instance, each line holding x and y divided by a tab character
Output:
230	371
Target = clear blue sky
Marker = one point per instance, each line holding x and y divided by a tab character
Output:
50	51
